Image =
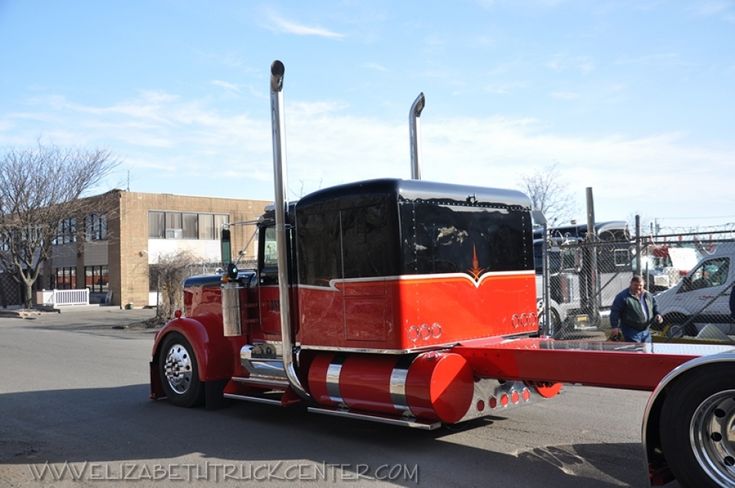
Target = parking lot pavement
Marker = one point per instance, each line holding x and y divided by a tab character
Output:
99	320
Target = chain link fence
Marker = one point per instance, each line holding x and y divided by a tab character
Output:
691	276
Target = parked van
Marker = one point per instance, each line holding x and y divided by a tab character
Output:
702	296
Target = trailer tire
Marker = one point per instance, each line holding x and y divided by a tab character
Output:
675	329
697	417
178	369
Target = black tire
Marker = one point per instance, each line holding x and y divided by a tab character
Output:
177	368
701	407
676	323
557	325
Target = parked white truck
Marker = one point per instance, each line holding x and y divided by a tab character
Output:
702	296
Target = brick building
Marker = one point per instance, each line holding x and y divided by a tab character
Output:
112	250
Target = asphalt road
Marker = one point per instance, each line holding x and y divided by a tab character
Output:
74	411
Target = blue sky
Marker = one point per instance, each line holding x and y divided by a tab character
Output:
631	98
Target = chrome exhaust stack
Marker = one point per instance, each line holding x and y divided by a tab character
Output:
281	204
414	129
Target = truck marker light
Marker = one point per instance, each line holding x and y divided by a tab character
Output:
425	332
413	333
515	397
526	394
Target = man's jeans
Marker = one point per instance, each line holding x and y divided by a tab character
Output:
633	335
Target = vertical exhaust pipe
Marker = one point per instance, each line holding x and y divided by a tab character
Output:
415	134
281	204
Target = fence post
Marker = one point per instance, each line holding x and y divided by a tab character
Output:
548	326
638	248
592	275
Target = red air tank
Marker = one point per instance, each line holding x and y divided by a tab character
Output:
431	386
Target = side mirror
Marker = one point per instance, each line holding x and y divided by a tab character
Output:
225	247
232	271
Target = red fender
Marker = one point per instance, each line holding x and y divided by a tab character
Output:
213	351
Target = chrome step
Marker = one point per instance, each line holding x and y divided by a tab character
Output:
274	383
254	399
414	424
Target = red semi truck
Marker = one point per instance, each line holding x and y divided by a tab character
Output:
414	303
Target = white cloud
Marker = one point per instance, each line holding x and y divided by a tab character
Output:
564	62
188	147
713	8
280	24
226	85
565	95
503	88
374	66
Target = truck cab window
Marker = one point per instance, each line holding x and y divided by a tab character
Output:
621	257
270	252
711	273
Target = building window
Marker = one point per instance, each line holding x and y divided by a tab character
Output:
96	278
95	227
64	278
174	228
66	232
206	227
156	225
189	225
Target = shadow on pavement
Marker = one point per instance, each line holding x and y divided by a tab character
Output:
115	425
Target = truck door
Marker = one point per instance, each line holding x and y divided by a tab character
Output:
707	283
270	315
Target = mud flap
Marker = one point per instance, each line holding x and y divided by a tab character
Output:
214	394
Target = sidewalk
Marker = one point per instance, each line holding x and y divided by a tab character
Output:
104	317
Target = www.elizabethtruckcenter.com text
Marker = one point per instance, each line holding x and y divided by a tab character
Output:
217	472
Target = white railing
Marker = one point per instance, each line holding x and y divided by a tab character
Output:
63	298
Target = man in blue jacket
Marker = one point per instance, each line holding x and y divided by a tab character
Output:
633	311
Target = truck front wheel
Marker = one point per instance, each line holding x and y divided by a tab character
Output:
177	367
697	428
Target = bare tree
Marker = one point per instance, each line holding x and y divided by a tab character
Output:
40	190
550	194
168	274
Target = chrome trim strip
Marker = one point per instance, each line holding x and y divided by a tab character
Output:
266	382
432	347
373	418
398	383
418	277
267	401
332	379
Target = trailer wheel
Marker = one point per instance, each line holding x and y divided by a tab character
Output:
675	329
177	367
698	428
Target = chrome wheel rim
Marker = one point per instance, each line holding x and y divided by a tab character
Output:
178	369
712	436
